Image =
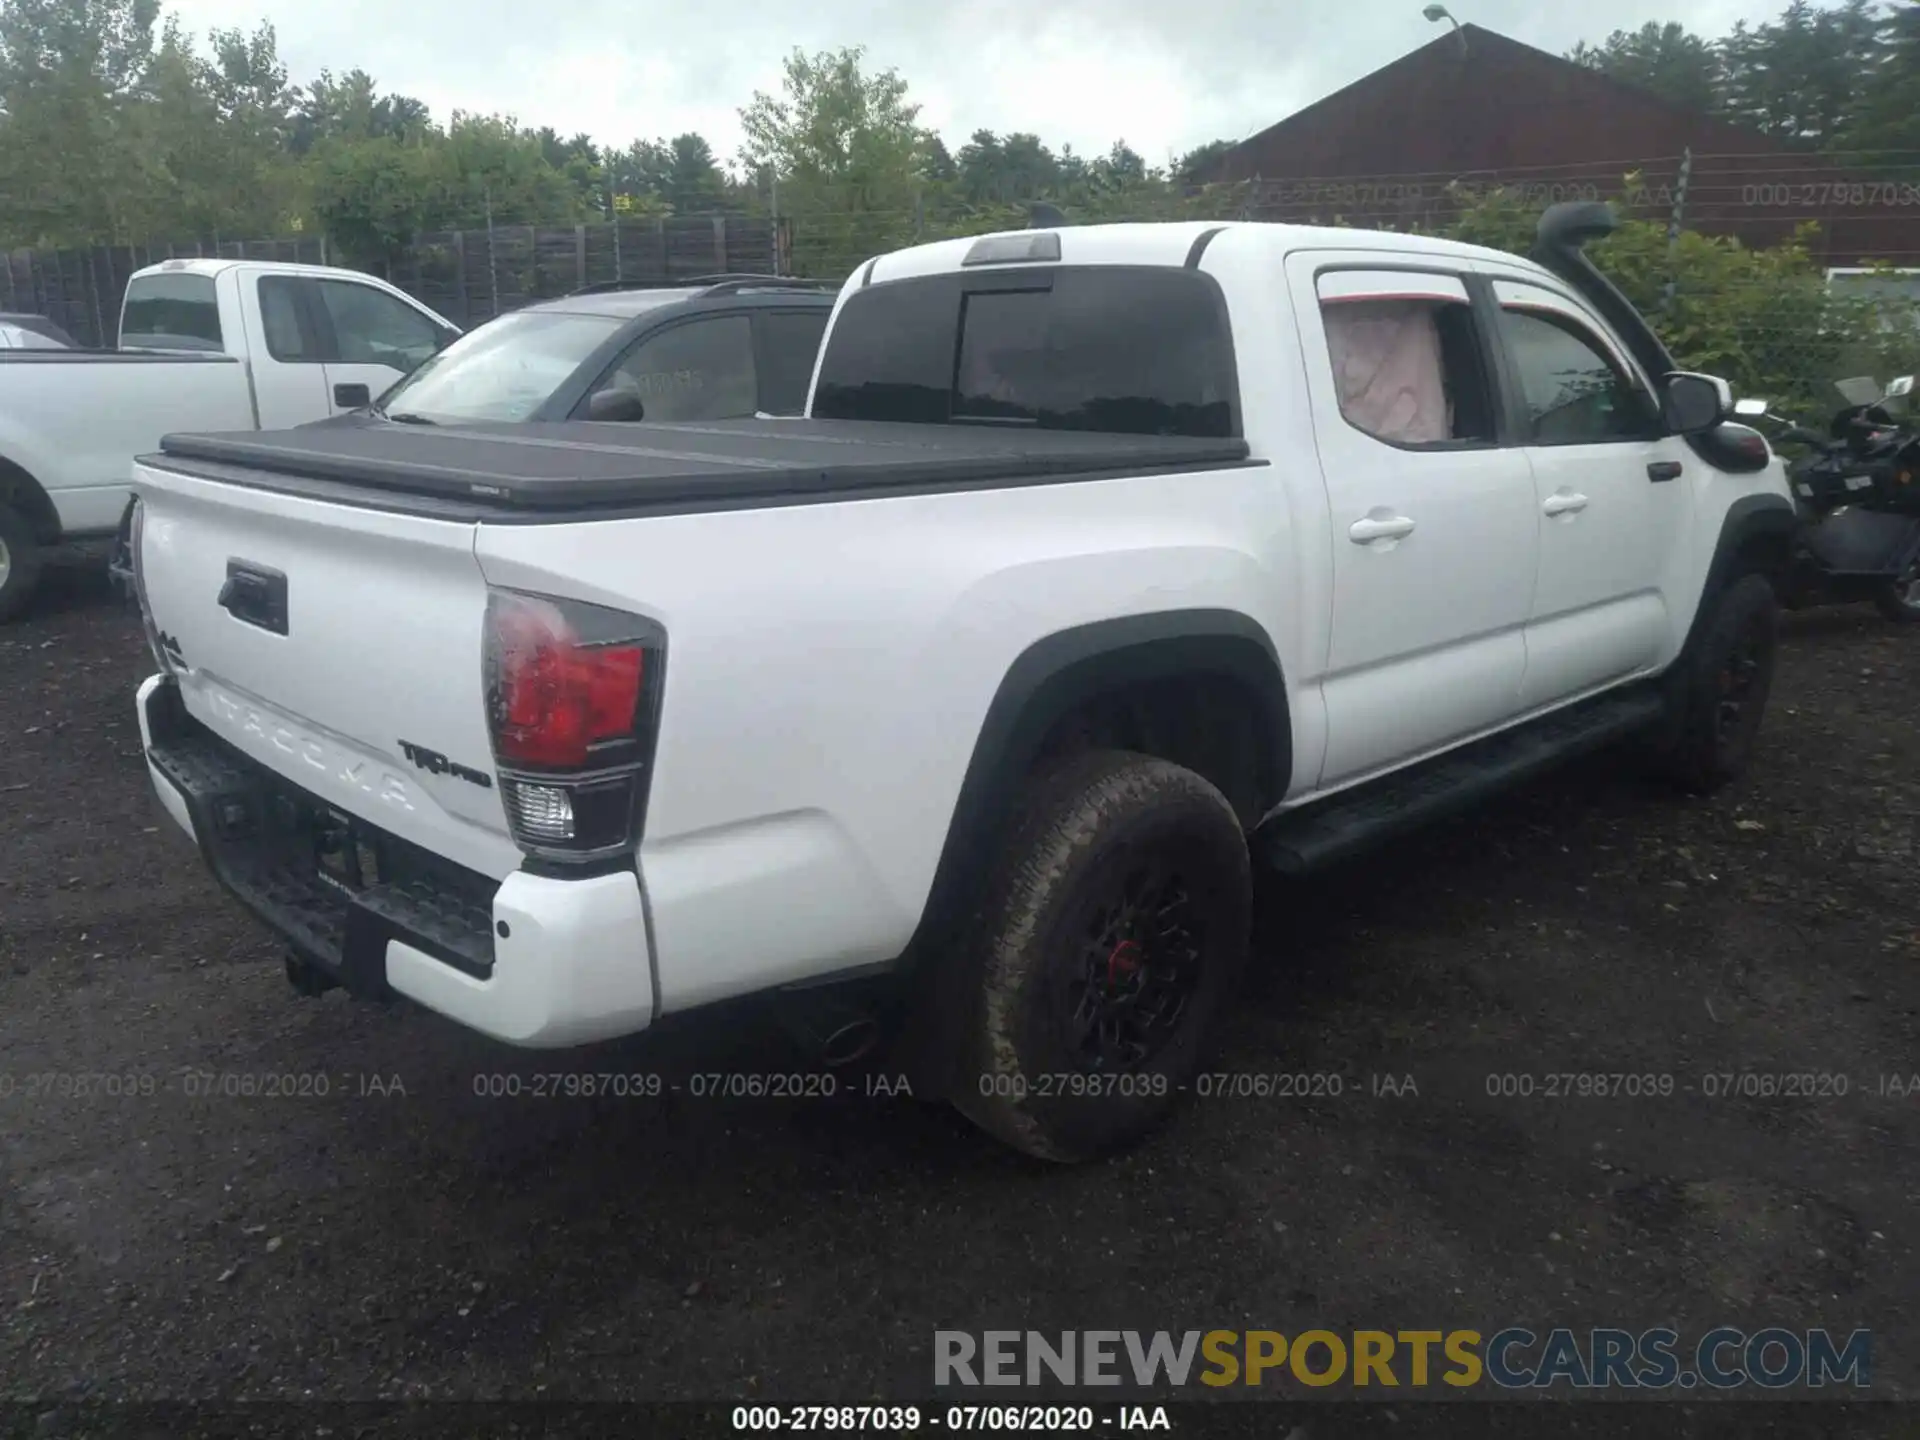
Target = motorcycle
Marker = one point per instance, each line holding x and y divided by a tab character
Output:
1856	490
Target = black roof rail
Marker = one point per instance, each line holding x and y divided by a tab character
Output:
728	284
608	287
710	283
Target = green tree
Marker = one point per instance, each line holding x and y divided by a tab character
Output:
1198	165
490	168
848	151
639	171
937	165
1667	59
1010	170
678	176
351	107
372	196
1886	117
1121	168
210	135
1798	77
578	160
70	74
694	181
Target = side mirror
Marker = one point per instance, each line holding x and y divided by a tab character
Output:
1752	409
1860	390
1693	403
1899	386
624	406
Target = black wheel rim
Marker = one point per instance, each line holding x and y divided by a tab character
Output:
1134	967
1737	685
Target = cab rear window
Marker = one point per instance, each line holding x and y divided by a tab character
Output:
171	311
1122	349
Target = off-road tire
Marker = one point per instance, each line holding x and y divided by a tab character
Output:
1705	745
23	563
1087	828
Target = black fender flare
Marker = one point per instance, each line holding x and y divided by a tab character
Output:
1062	671
29	498
1763	522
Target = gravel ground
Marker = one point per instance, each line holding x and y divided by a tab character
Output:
401	1236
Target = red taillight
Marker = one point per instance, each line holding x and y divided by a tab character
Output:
554	695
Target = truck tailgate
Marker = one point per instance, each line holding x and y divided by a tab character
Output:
348	638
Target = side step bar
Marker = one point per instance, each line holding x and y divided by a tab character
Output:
1298	841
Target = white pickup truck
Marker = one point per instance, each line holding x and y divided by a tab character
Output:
204	345
1108	562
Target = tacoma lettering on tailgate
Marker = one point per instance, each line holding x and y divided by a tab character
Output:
362	775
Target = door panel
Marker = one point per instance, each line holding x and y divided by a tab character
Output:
1609	532
378	340
1435	529
289	380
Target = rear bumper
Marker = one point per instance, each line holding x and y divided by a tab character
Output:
530	960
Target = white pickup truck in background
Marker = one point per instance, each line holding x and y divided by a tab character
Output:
204	345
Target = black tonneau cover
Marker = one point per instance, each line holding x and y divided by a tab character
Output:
561	469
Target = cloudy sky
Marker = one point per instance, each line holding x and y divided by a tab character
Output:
1162	76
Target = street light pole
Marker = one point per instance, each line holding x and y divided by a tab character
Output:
1437	13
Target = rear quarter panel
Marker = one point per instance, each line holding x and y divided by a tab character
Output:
828	669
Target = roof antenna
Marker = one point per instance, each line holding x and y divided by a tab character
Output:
1042	216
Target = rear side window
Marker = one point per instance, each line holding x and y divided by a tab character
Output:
790	343
698	370
171	311
1126	350
1406	358
280	318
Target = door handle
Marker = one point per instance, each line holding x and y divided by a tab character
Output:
1663	470
255	595
1565	502
1365	532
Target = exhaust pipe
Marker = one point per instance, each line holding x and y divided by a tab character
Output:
829	1028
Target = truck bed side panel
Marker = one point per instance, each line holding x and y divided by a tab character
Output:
828	669
74	421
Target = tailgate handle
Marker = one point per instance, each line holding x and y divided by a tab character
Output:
255	595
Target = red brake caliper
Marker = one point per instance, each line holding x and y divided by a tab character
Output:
1124	961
